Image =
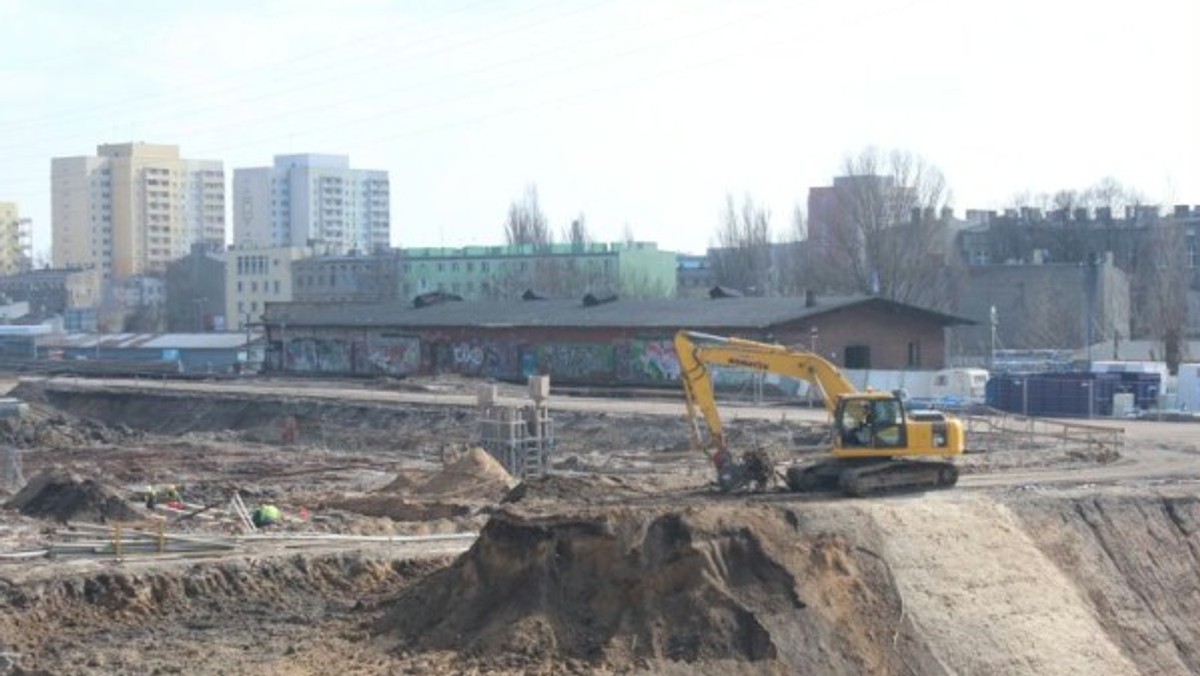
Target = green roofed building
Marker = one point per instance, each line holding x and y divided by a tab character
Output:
627	269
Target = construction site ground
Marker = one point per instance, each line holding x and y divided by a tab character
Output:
404	550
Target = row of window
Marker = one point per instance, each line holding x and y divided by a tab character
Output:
253	265
267	286
521	266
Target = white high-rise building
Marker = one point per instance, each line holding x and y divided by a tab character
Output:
133	208
311	199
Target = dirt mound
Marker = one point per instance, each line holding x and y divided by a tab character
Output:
406	481
65	496
589	489
626	587
475	475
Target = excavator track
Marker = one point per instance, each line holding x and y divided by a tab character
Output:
872	477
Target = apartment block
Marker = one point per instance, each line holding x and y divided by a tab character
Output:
133	207
312	199
52	292
634	269
15	240
257	276
355	278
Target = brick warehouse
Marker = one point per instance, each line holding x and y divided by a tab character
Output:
614	342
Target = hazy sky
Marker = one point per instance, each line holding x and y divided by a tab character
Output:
641	113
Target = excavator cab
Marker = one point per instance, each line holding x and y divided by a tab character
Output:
870	421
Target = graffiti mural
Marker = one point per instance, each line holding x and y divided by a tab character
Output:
468	358
319	355
577	361
495	360
396	356
650	362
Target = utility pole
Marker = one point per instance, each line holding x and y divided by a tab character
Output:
994	321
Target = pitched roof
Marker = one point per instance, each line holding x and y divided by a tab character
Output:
760	313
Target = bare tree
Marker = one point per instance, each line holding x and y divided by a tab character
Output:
742	257
788	255
526	223
1160	285
884	232
576	234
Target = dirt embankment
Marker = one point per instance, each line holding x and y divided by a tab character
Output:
414	429
279	615
933	584
949	583
306	421
1137	562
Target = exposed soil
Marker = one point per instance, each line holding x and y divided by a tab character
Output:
1046	559
64	496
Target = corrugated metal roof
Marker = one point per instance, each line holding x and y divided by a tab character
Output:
648	313
148	341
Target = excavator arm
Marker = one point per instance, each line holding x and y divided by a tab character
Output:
698	352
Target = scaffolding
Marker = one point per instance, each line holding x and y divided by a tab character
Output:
520	437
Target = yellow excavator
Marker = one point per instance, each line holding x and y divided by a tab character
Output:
878	446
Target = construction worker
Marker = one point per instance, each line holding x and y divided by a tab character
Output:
266	515
169	495
172	496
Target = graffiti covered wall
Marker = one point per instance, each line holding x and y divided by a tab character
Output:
593	358
390	355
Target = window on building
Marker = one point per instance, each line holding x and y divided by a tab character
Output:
483	266
858	357
914	354
241	306
277	287
239	286
253	287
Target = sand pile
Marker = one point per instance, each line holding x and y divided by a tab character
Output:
466	484
625	588
65	496
475	475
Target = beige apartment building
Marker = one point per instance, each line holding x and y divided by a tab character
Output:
15	240
257	276
133	207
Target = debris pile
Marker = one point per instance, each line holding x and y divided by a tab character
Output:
65	496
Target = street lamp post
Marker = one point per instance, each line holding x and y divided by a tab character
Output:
993	321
